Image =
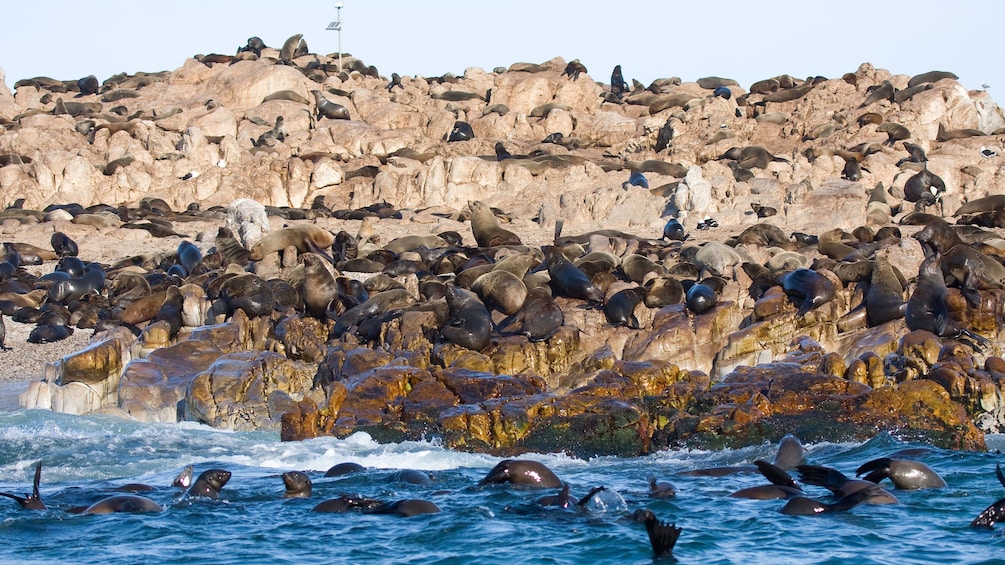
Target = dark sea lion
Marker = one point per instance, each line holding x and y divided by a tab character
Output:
562	500
573	69
620	308
189	256
461	132
171	310
894	132
123	503
305	237
948	135
840	485
405	508
49	333
930	76
485	227
377	304
700	298
521	472
31	501
88	85
249	293
991	203
808	288
209	483
567	279
298	485
803	506
884	301
904	474
662	535
994	513
63	245
925	188
927	309
345	504
412	476
470	324
618	85
674	231
885	91
539	317
293	47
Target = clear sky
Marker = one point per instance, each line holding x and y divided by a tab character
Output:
745	40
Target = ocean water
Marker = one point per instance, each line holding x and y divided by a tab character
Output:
83	457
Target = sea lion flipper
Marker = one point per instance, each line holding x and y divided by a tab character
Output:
38	478
662	536
999	474
775	474
990	515
880	464
589	495
19	499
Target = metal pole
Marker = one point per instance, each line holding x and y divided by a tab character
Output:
339	40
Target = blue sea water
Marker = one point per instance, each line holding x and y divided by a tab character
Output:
83	457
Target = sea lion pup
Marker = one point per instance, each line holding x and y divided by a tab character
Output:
298	485
782	485
305	237
662	535
803	506
209	483
539	317
809	288
31	501
470	324
903	473
994	513
123	503
521	472
405	508
328	109
486	229
840	485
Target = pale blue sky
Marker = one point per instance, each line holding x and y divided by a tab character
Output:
746	40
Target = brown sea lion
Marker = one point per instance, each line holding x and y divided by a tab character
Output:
485	227
305	237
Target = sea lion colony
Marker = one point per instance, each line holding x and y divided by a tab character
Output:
508	282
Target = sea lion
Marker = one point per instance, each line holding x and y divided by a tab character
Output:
31	501
485	227
661	489
840	485
470	324
927	309
346	468
662	291
885	91
297	483
903	473
620	308
319	286
782	485
345	504
63	245
573	69
567	279
412	477
803	506
790	454
539	317
700	298
305	237
521	472
930	76
662	535
674	231
925	188
639	268
994	513
123	503
189	256
501	290
184	479
405	508
808	288
209	483
618	85
884	301
461	132
328	109
249	293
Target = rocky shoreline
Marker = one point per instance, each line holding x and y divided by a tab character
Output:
805	205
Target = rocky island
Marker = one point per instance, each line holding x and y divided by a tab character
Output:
519	259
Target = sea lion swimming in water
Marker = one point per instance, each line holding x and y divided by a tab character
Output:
521	472
31	501
209	483
298	485
804	506
904	474
123	503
